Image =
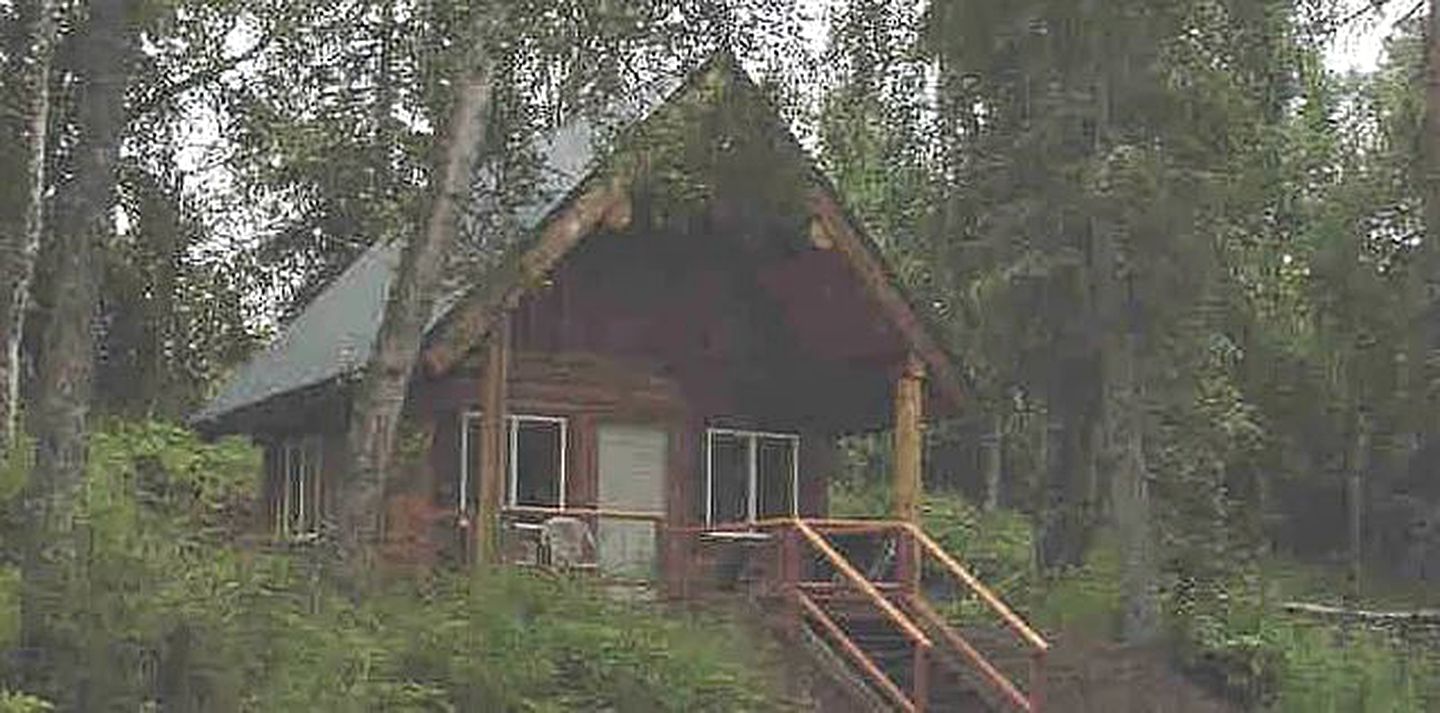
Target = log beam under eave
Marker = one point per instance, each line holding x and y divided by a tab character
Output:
909	439
606	204
492	443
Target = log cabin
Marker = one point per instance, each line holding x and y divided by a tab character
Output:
648	373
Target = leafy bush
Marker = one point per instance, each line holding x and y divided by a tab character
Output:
1324	671
11	702
998	546
1085	600
9	606
1270	660
500	641
159	604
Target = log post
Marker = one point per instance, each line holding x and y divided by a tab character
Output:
909	413
492	442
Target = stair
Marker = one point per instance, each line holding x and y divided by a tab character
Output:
862	619
948	688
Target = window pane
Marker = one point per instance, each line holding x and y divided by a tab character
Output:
294	488
311	484
537	463
730	478
775	466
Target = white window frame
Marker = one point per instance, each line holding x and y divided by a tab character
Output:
307	450
752	447
512	438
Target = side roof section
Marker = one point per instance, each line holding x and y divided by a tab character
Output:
332	336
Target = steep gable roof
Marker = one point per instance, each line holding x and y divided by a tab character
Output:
332	337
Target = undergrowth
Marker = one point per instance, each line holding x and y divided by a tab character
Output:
1227	634
159	608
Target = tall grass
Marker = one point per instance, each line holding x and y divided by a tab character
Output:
159	608
1223	632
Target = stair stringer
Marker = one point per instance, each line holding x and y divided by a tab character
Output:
824	659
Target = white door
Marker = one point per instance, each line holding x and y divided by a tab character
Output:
632	478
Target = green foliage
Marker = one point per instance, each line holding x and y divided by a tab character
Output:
163	602
12	702
1085	599
499	641
997	546
1222	630
15	464
9	606
1276	662
1326	672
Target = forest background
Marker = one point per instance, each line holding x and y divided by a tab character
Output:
1185	261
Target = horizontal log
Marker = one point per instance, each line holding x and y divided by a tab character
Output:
1325	611
601	513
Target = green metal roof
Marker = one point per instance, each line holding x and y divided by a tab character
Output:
332	337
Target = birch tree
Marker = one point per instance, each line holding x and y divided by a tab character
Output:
84	223
380	397
17	253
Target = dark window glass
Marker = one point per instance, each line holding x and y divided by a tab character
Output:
729	477
775	470
536	470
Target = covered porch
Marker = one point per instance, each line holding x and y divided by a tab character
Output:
663	385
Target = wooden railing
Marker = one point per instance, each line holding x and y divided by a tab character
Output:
1037	647
787	542
918	697
914	550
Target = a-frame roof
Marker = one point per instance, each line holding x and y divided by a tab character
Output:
331	339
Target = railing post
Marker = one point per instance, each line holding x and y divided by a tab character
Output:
920	680
907	561
790	577
1037	681
909	439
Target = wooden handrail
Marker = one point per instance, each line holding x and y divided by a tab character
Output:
853	525
825	587
1011	619
848	570
857	656
651	517
771	523
856	524
992	675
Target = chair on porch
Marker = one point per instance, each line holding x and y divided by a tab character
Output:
567	543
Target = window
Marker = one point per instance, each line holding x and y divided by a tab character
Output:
537	454
295	475
750	475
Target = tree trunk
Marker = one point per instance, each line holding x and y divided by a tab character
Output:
1359	463
1122	422
18	264
994	451
1123	436
1130	490
1423	359
84	222
1430	330
380	398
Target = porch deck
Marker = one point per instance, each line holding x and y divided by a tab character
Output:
876	600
